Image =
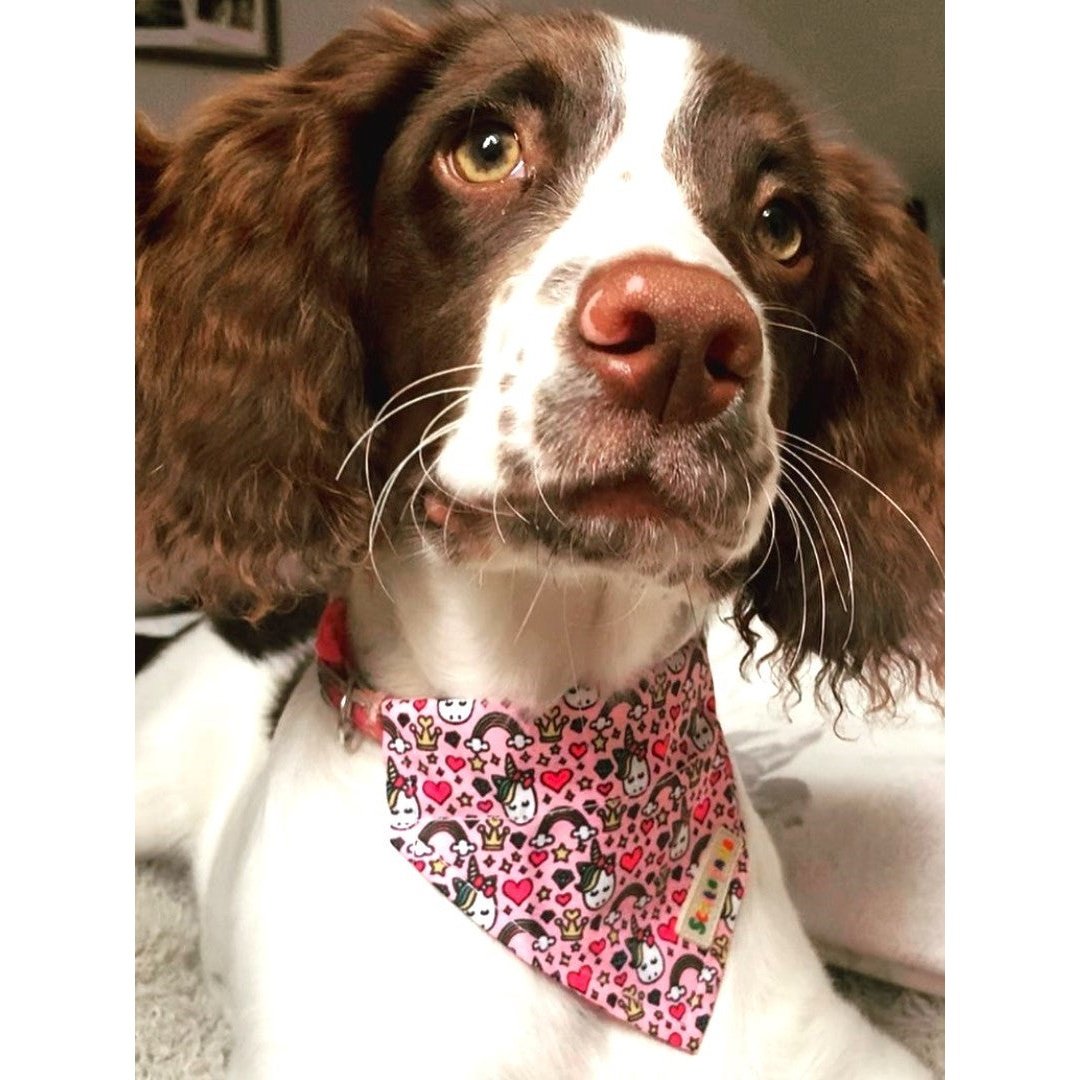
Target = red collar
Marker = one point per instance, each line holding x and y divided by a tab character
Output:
356	704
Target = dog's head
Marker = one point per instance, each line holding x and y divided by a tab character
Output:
553	281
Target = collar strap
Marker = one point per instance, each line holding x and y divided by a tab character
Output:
356	704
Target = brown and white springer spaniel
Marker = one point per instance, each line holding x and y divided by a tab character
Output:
532	337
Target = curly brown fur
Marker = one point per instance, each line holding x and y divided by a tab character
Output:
249	275
885	420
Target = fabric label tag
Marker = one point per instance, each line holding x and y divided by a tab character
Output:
703	907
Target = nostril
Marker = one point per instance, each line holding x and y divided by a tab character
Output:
720	355
638	332
614	326
734	353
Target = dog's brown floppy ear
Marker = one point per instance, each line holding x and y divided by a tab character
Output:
250	268
863	456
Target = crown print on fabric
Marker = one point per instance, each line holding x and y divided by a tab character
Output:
611	813
630	1003
426	734
570	925
551	726
493	834
600	841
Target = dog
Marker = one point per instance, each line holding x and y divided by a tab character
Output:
528	340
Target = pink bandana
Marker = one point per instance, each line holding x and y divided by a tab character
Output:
599	841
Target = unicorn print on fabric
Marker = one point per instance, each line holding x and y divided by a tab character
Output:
632	764
700	729
580	698
596	878
680	834
476	896
454	710
516	792
401	798
645	956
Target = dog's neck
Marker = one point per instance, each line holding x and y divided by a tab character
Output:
424	627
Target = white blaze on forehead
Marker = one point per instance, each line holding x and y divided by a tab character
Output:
630	202
633	200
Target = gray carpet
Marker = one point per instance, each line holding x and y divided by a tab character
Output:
179	1033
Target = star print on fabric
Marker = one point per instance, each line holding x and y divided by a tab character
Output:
602	978
561	853
505	866
477	763
585	783
465	799
694	1001
439	865
599	743
433	759
543	893
693	1044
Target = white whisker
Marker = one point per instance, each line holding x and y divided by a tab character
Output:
818	337
495	520
768	551
461	393
794	472
814	450
817	562
566	636
384	494
379	418
786	503
845	540
543	497
535	599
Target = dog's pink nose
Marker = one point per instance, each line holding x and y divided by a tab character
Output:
674	340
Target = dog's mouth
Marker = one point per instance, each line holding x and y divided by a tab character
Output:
632	498
671	504
633	520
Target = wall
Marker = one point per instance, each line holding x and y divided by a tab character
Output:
876	70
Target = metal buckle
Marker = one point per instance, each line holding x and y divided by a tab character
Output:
348	734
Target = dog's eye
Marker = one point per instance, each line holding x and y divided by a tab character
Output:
779	231
488	154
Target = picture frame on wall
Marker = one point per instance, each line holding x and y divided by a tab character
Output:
227	33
